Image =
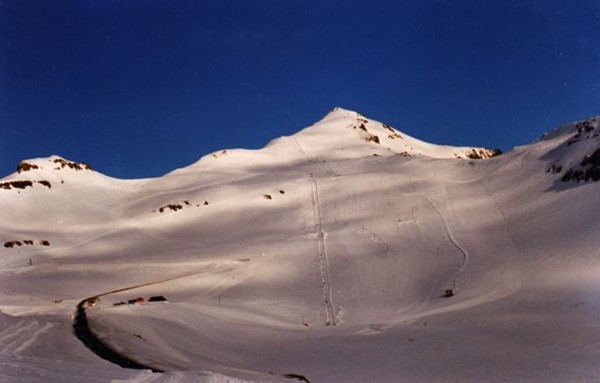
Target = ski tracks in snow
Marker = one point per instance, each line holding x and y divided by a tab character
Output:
499	246
462	263
509	281
16	339
322	251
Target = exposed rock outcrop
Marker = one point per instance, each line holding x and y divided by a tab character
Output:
26	242
26	166
177	206
588	169
71	165
478	154
22	184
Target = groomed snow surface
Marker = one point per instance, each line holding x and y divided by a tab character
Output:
324	257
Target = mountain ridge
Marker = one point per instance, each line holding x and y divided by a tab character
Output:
340	134
303	260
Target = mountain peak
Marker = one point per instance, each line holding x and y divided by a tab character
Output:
339	111
45	171
341	134
51	163
345	134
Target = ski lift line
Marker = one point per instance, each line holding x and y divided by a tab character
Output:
302	150
322	252
325	170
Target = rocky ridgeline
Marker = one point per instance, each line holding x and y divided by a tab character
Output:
366	135
585	130
480	154
8	185
25	242
25	166
392	134
588	168
62	164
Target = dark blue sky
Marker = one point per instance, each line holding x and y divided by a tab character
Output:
138	88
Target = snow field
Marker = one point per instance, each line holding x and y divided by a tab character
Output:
258	251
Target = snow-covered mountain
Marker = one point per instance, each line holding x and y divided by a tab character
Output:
348	252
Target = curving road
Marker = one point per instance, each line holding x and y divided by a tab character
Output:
82	331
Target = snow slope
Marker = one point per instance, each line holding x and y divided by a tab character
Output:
324	256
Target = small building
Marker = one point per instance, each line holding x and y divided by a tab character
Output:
137	300
92	302
158	298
